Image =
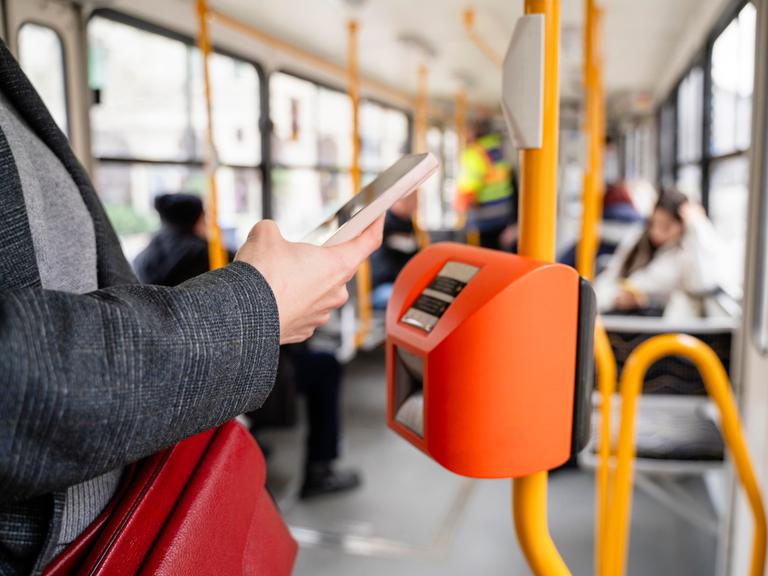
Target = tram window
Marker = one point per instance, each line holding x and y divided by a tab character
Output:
437	196
2	19
667	144
143	106
431	193
235	93
149	124
732	78
689	181
728	196
41	55
639	151
383	136
690	97
312	151
312	124
450	166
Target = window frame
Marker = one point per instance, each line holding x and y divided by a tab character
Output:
702	58
263	167
3	21
64	61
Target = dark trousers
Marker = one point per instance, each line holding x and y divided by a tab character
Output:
490	238
318	377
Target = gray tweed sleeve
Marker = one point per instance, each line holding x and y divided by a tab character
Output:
92	382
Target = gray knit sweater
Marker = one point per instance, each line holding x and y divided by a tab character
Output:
96	371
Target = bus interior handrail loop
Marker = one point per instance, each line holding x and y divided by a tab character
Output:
718	387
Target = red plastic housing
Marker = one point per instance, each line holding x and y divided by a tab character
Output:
499	365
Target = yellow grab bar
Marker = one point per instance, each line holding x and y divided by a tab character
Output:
363	275
538	201
606	385
477	40
380	89
592	198
420	127
592	195
530	513
217	254
718	387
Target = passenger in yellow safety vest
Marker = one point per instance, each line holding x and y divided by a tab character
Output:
485	190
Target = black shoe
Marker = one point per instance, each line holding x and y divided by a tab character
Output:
322	479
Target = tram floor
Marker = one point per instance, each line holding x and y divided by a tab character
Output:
412	517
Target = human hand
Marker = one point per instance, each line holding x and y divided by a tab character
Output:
308	281
508	236
627	300
691	211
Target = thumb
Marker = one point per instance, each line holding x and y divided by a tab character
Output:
354	251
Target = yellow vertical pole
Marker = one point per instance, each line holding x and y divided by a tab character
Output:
592	199
420	140
606	385
217	254
592	194
538	167
353	90
538	196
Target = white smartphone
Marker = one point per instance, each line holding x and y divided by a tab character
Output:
362	210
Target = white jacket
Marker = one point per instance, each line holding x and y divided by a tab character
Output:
673	275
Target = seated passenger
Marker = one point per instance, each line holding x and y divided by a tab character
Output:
178	252
400	244
666	268
619	219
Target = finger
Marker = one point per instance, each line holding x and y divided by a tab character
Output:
339	297
266	228
354	251
322	319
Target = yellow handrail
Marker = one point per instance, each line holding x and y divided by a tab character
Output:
538	198
485	48
374	86
530	513
420	143
718	387
363	275
217	254
592	198
606	385
592	195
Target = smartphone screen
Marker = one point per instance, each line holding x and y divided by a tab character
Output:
369	194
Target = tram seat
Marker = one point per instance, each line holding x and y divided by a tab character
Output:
677	437
670	375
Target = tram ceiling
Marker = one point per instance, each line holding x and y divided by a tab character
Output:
646	44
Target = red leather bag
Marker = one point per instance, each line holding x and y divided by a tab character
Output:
199	507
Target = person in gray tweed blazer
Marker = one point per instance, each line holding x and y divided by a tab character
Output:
98	371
